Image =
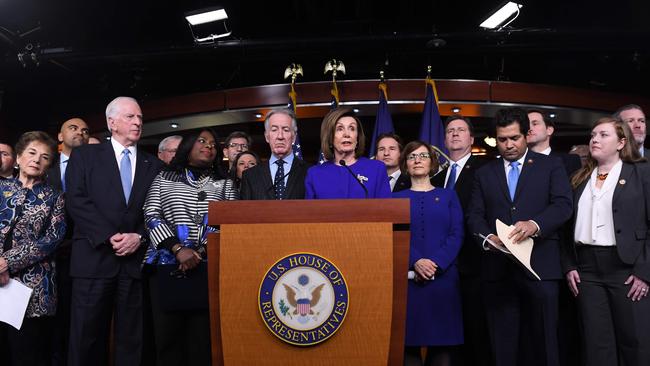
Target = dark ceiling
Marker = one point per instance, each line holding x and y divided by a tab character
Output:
90	51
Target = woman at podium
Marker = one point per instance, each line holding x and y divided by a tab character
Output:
345	174
433	309
176	216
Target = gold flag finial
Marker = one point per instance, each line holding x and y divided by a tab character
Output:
293	71
381	76
335	66
429	72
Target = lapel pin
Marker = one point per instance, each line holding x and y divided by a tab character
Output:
530	161
622	181
437	199
466	166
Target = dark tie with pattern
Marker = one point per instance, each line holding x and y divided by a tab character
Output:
278	182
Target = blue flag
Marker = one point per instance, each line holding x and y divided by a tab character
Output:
383	121
431	129
297	150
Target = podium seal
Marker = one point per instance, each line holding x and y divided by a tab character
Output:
303	299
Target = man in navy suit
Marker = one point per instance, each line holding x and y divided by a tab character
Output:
106	185
530	191
539	136
633	115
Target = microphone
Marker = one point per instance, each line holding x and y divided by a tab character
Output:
343	164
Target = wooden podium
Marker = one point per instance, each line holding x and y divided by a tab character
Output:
358	236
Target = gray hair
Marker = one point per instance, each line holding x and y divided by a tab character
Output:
627	107
163	144
288	112
113	107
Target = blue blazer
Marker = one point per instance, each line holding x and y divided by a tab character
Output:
95	201
543	194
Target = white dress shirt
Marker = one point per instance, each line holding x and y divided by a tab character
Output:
460	164
118	148
546	151
594	220
63	165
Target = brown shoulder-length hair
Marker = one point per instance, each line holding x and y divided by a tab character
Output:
328	127
629	153
38	136
412	146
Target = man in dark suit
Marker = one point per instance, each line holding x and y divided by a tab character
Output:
389	147
7	160
459	176
531	192
106	185
283	177
539	136
633	115
74	132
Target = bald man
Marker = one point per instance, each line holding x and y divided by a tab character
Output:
73	133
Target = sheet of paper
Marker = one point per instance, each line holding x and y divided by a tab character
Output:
521	251
14	298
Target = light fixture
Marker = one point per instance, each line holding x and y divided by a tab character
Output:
501	16
208	24
490	141
552	115
455	110
173	125
206	16
355	110
258	115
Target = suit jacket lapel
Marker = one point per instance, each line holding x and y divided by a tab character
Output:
107	159
293	175
268	181
525	173
461	175
626	173
142	165
500	175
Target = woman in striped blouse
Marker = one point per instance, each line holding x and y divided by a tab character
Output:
176	216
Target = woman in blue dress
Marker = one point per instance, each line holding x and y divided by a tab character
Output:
433	311
345	174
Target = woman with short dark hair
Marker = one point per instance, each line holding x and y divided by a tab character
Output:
32	224
243	161
346	173
433	309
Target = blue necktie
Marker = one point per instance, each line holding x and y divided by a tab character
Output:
125	174
63	166
513	178
451	182
278	182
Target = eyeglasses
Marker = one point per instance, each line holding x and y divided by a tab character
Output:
205	143
236	145
423	156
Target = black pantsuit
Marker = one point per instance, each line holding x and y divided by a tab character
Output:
191	329
29	346
617	328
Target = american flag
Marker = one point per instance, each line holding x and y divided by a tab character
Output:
297	150
383	121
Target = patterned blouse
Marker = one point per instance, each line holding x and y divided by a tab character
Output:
33	220
176	211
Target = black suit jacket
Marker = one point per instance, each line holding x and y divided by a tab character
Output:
95	201
403	182
630	208
543	194
469	258
257	183
571	162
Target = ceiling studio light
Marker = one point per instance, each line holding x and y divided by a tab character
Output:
206	16
502	15
208	25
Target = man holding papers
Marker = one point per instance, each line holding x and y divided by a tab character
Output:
531	192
